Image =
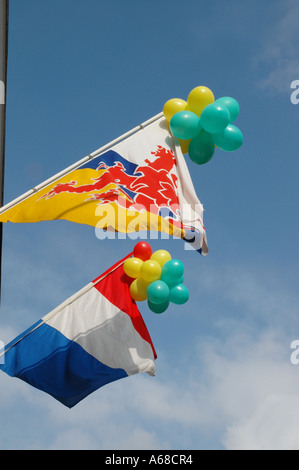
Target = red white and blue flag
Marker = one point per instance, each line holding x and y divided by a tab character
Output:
95	337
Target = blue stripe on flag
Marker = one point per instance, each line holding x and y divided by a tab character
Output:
110	158
49	361
21	335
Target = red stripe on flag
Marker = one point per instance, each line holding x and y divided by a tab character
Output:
114	284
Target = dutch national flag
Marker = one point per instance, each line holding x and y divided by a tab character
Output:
95	337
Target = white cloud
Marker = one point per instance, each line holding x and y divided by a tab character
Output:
279	54
273	425
75	438
232	386
139	439
242	391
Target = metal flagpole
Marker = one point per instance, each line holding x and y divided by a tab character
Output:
67	170
4	7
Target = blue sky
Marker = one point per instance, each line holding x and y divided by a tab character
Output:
79	75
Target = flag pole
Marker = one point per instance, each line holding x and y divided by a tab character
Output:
4	7
92	155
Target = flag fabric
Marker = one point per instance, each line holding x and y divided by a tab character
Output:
95	337
139	184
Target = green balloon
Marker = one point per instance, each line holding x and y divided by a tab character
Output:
158	292
172	272
185	125
158	308
214	117
232	105
201	148
179	294
229	140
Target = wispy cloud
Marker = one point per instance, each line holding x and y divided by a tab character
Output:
277	60
242	392
230	384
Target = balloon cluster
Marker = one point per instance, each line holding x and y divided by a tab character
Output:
202	123
157	278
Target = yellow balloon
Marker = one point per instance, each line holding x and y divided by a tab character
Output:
199	98
150	271
161	256
138	290
184	145
132	267
173	106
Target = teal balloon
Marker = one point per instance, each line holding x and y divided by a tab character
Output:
158	292
179	294
158	308
214	117
229	140
172	272
232	105
201	148
185	125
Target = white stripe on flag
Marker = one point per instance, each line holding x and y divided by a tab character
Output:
105	332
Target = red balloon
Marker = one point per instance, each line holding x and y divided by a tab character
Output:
143	251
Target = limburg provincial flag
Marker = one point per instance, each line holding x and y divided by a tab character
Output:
95	337
141	183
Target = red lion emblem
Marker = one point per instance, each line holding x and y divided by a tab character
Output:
152	186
